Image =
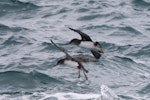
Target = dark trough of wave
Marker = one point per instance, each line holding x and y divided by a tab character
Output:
17	81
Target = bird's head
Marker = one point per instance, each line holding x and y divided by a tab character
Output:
98	45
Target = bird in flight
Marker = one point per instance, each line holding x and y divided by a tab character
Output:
87	42
70	61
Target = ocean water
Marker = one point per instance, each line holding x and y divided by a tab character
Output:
27	58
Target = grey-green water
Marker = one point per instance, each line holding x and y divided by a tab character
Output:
27	58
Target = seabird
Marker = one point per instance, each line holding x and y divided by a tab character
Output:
87	42
69	60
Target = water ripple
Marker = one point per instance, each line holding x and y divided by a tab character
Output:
6	28
16	5
15	40
88	17
57	12
141	3
145	90
140	51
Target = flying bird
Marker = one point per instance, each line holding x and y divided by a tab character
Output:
70	61
87	42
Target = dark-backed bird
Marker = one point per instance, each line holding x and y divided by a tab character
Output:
87	42
70	61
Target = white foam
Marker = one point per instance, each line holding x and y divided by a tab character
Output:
105	94
3	97
72	96
108	94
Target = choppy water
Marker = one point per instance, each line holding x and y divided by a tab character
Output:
27	58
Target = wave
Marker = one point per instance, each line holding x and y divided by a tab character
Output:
15	5
141	50
130	97
136	50
116	16
105	94
126	59
82	10
131	30
11	40
6	28
109	47
113	15
131	64
29	4
56	12
103	27
17	80
117	30
89	17
115	48
145	90
46	46
141	3
126	31
15	40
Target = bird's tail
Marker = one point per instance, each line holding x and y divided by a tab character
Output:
96	53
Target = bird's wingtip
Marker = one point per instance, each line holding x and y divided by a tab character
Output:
51	41
72	29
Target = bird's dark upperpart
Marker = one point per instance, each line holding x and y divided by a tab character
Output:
61	61
75	41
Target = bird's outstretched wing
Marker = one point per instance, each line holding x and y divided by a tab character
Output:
84	36
62	49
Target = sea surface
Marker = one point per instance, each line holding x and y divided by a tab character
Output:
28	60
